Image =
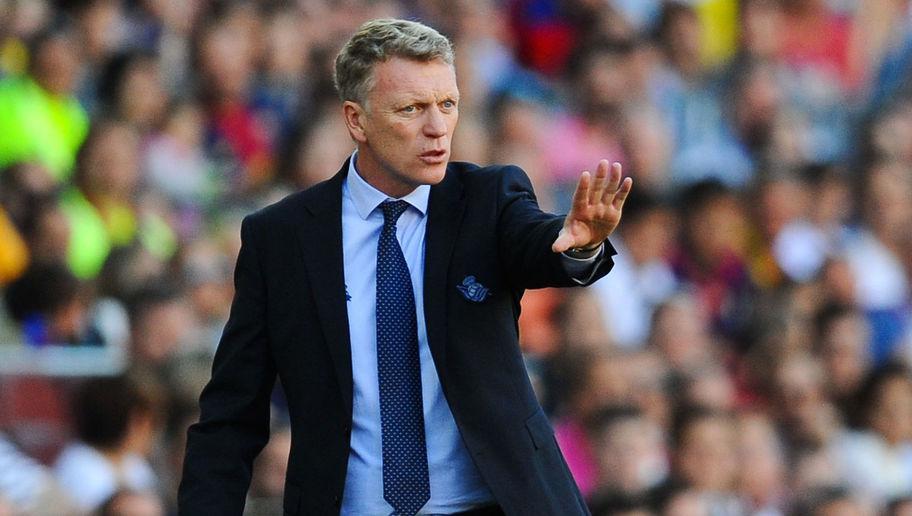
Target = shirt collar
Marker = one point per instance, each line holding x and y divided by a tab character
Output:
366	198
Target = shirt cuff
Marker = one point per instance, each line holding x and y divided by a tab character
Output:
581	270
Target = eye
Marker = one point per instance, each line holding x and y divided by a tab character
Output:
409	109
449	104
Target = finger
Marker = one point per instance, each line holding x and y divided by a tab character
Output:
563	241
613	183
600	182
581	196
621	194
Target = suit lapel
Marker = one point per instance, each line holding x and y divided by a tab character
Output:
445	208
320	242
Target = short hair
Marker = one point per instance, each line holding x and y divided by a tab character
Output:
379	40
103	407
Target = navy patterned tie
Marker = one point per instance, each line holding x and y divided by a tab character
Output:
405	470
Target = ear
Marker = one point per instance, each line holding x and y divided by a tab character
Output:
355	115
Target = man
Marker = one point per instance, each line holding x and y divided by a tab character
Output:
386	301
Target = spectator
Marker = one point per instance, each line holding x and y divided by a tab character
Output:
27	486
703	444
877	460
53	307
631	454
762	480
588	380
642	278
40	119
116	426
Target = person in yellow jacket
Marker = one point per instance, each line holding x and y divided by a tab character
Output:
40	119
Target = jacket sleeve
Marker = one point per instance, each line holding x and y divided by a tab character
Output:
525	235
234	405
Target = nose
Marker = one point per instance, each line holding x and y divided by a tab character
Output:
435	125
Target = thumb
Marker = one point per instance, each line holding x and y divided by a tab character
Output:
563	242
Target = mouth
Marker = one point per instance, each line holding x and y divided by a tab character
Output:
433	157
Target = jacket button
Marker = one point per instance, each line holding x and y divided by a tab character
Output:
337	500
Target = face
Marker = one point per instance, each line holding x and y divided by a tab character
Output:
706	458
892	412
405	128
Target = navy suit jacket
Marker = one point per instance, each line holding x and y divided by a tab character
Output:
289	318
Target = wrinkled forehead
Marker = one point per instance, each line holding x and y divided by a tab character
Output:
399	79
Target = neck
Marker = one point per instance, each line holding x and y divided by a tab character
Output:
379	174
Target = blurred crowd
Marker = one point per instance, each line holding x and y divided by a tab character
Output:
748	355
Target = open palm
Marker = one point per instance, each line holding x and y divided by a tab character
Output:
596	210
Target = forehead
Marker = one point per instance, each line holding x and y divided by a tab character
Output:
398	79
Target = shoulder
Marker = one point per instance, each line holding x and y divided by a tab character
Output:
293	207
489	178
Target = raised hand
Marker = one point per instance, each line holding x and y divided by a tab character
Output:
596	210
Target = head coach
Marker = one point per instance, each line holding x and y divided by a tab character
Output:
386	300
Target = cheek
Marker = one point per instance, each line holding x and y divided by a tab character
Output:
399	136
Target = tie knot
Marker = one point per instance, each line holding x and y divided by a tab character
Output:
392	210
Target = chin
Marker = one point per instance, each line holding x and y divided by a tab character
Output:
431	175
437	174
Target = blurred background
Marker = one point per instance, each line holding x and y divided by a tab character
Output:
748	355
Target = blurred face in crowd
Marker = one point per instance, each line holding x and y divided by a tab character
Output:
99	23
161	331
287	45
632	457
758	101
887	204
717	229
70	321
111	163
142	96
844	352
781	202
606	384
706	458
56	66
647	142
762	464
801	401
680	332
582	323
405	126
710	387
651	238
891	415
892	134
604	81
761	22
682	41
51	238
226	59
833	203
812	468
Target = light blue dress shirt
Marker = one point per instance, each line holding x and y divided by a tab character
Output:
456	484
